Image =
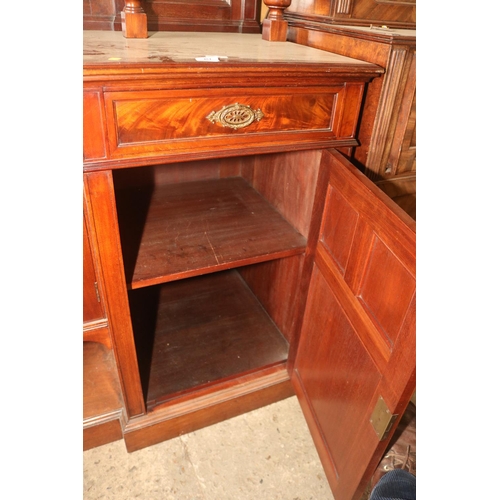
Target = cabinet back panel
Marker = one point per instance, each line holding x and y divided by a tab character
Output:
175	173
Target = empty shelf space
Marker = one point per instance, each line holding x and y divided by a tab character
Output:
201	331
183	230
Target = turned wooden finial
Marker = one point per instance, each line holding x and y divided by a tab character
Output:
274	27
134	20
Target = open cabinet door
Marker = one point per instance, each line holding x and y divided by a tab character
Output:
354	372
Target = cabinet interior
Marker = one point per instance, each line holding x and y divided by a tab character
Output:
211	248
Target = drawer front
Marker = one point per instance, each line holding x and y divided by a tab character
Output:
167	122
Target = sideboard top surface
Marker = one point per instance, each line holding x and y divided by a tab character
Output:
111	48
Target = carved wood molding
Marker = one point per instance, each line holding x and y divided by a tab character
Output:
344	7
397	70
398	2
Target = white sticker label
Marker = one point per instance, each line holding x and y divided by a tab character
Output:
210	58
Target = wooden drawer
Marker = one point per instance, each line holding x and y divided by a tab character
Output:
165	122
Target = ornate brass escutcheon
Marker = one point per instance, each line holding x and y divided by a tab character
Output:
235	116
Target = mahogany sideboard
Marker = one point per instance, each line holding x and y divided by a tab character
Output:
233	256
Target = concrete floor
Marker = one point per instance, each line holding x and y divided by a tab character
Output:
266	454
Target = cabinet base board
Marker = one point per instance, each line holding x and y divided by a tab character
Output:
102	433
177	419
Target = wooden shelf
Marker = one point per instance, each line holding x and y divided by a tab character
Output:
184	230
201	331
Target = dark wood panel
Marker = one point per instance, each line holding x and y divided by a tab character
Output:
168	122
168	116
337	370
102	401
237	16
101	389
99	14
395	13
178	173
337	230
201	331
99	435
241	16
189	229
97	331
357	343
387	309
92	306
276	285
94	141
402	189
288	183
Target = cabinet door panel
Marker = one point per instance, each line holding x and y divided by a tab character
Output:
358	337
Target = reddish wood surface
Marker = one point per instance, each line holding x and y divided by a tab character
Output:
352	281
102	402
238	16
241	16
94	140
99	14
393	13
97	331
274	27
134	20
183	115
291	190
101	389
166	122
201	331
99	435
361	297
102	210
157	97
387	129
190	229
95	321
92	306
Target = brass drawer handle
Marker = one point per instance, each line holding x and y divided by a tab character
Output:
235	116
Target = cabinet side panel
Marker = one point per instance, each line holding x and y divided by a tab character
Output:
276	284
288	182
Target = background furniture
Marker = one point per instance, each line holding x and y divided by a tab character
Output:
371	30
240	16
394	13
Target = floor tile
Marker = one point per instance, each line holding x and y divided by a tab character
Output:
266	454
